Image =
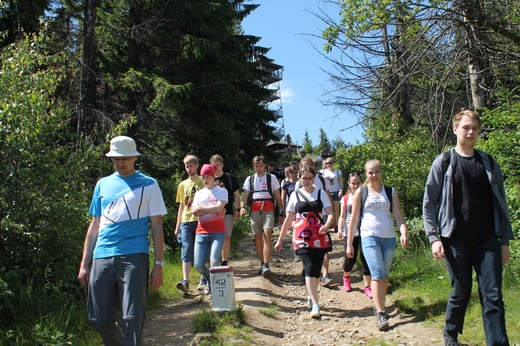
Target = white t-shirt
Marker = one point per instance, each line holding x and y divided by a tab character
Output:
317	183
377	219
291	205
333	179
210	197
260	186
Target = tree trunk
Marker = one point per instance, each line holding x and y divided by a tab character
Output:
479	74
87	102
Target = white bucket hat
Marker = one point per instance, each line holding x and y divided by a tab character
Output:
122	146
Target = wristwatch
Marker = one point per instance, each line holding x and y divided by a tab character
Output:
161	263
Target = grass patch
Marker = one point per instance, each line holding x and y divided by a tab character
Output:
271	310
45	318
224	326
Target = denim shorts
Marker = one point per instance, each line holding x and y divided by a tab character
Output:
188	241
379	253
335	196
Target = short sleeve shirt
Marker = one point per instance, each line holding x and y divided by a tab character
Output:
124	205
185	194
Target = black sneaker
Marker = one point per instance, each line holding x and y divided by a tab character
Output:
382	322
224	263
450	338
183	286
384	312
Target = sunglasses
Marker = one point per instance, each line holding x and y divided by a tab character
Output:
328	163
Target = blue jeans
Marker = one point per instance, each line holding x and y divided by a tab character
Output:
379	253
204	243
485	256
188	241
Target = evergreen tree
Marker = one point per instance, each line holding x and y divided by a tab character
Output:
307	143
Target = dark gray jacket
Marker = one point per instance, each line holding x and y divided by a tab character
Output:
438	209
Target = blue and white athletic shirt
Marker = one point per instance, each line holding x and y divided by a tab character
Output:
125	205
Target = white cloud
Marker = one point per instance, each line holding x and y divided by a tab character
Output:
288	93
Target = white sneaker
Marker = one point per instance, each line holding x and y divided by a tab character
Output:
207	289
315	312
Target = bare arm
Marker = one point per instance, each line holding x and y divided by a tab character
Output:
505	254
243	202
88	250
199	210
330	220
236	197
354	222
340	179
156	277
342	219
179	219
285	227
283	198
399	219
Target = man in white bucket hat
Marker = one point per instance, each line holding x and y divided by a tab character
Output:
124	206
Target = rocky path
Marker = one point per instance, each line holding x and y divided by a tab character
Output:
347	318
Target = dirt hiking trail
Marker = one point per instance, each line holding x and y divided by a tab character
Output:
346	318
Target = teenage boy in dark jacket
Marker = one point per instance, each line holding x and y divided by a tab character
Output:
467	223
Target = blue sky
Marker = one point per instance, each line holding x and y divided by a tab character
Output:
286	27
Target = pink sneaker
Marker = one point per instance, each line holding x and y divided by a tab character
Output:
368	292
346	284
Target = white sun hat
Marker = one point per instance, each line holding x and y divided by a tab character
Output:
122	146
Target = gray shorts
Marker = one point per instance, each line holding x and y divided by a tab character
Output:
229	221
262	221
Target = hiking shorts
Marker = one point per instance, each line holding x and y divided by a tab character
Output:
262	221
229	221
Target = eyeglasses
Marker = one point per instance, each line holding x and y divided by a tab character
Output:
328	163
123	158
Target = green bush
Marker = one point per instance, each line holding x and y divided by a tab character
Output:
208	321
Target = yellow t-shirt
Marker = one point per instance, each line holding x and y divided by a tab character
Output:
185	193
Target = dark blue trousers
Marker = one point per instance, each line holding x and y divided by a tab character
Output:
485	257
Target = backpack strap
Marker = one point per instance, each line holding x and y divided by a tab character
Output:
252	186
446	158
345	198
322	179
364	196
388	191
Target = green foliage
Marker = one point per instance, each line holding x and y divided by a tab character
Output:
502	141
405	161
307	143
186	75
324	141
47	176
